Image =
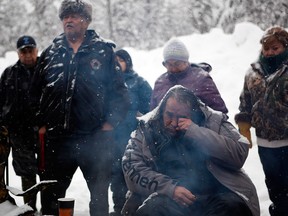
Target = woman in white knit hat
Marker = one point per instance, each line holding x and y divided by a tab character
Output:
192	76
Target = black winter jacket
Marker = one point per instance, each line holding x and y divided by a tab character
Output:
16	116
77	93
14	101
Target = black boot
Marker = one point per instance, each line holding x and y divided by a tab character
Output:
276	211
119	199
115	214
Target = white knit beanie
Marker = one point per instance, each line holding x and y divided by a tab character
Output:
175	50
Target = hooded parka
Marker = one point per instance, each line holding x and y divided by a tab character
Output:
224	152
194	78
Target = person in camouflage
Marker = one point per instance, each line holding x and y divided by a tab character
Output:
264	106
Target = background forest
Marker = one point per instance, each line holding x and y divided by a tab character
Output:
142	24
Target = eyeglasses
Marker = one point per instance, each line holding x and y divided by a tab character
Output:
172	64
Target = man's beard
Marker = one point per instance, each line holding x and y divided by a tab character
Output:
73	36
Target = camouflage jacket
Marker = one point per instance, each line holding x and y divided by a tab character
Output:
264	102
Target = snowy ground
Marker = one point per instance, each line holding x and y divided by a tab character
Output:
229	55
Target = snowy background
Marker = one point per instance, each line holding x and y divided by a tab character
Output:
229	55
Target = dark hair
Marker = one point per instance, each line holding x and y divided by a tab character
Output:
183	96
123	54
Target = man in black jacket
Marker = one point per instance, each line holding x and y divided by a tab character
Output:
79	96
15	113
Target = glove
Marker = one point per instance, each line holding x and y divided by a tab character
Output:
244	129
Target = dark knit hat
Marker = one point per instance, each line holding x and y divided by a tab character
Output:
123	54
175	50
75	7
25	41
275	33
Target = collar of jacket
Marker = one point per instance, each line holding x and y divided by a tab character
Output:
256	66
271	64
24	70
178	75
129	73
91	37
210	118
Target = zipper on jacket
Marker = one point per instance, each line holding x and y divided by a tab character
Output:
67	74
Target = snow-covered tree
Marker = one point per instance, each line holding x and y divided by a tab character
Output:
44	23
13	20
143	24
264	13
206	14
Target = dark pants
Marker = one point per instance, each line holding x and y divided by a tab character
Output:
118	186
223	204
28	182
23	144
93	155
275	166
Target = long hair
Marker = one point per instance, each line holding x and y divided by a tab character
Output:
183	96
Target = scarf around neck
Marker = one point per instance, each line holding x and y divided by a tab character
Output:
273	63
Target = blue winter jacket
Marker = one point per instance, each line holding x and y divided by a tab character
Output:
140	94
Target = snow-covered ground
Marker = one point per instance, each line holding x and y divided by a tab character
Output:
228	54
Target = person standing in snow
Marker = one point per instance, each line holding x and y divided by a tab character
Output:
264	106
16	114
185	159
80	96
193	76
140	95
